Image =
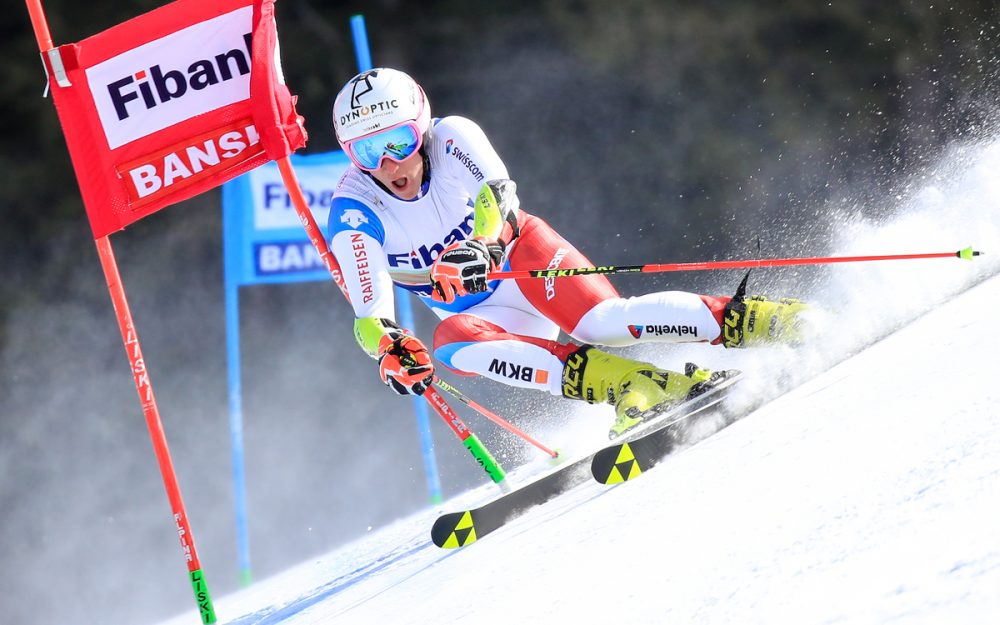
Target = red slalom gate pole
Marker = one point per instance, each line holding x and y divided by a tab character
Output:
967	254
40	25
309	223
140	374
144	386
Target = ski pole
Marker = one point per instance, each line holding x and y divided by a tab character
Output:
507	425
966	254
470	440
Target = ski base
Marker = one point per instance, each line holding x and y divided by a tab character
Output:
648	444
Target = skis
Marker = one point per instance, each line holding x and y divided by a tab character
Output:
458	529
645	446
641	449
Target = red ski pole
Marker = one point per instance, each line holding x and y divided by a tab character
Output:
967	253
468	438
507	425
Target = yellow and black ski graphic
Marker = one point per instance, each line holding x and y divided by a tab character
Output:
625	467
626	461
454	530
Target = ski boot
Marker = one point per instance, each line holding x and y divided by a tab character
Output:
637	390
636	404
753	321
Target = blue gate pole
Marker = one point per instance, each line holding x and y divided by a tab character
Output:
403	304
236	431
231	254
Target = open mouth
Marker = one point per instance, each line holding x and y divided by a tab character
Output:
400	183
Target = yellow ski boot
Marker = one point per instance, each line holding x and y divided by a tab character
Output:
638	404
754	321
637	390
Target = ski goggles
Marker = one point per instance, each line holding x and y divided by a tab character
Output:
397	143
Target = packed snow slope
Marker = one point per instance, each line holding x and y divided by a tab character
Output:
864	487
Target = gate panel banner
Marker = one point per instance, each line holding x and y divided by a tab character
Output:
158	109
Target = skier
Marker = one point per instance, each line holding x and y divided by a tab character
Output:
428	205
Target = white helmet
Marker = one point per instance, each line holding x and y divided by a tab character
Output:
378	99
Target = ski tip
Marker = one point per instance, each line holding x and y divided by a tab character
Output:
968	253
615	464
454	530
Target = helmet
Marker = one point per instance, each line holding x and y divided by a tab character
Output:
378	99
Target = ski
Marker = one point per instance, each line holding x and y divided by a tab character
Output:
651	441
641	449
462	528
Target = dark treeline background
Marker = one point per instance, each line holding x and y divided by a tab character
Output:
645	131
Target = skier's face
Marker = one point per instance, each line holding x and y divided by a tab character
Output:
402	178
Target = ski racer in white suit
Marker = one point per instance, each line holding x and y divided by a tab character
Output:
429	205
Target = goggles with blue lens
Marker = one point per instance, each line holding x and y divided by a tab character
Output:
397	143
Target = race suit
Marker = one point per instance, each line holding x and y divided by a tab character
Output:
508	333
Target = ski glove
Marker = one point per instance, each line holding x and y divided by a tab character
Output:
404	363
462	267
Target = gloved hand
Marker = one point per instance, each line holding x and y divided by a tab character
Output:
462	267
404	363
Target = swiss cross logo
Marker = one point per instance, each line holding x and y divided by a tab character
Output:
169	80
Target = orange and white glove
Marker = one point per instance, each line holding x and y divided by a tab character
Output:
404	363
462	267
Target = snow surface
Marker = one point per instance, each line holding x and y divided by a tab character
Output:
864	489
